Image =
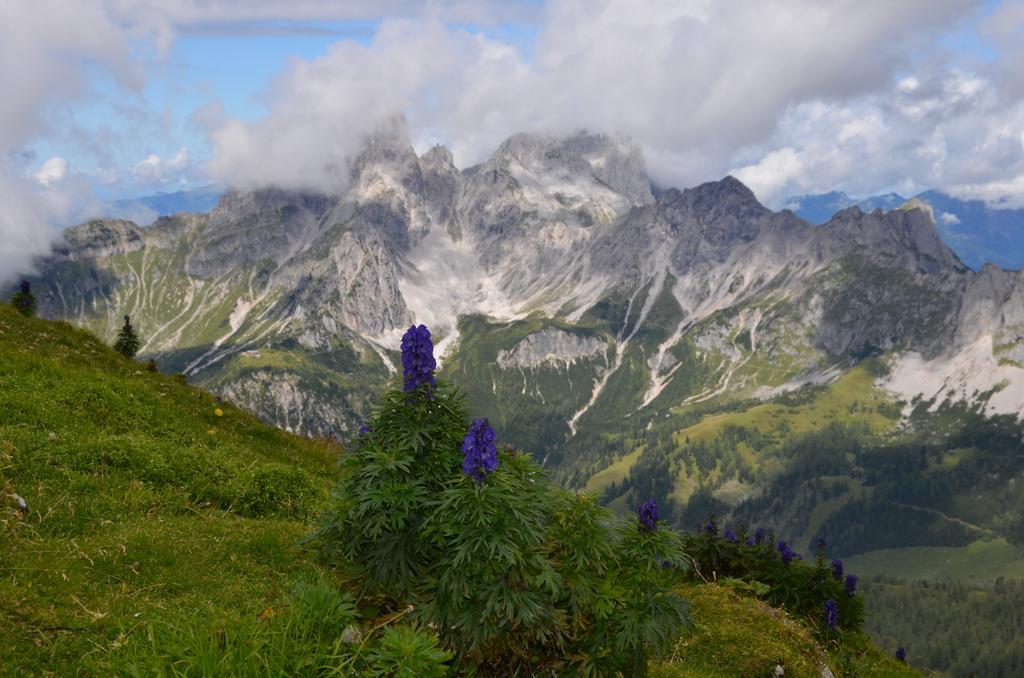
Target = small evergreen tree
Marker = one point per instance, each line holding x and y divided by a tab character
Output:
24	300
127	343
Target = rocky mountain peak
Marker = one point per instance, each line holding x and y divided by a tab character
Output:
722	212
99	238
387	159
438	159
617	161
906	236
244	227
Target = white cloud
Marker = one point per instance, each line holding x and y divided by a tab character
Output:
156	171
700	85
953	131
1001	193
773	173
791	95
45	47
52	171
948	218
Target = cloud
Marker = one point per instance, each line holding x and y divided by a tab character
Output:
793	96
45	48
52	171
948	218
156	171
772	173
702	86
945	129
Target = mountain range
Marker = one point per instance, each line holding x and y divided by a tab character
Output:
976	231
622	333
144	209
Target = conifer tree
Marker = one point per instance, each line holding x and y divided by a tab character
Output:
127	343
24	300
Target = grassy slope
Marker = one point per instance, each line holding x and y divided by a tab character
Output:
982	560
737	635
851	399
146	506
143	503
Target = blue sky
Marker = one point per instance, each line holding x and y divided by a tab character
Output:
226	66
117	98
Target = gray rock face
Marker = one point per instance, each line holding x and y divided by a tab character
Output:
906	238
550	347
98	239
616	161
282	399
244	228
347	280
547	226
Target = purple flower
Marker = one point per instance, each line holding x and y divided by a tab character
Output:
901	654
418	362
481	455
750	541
648	515
831	614
759	535
25	287
851	584
787	553
837	569
729	535
364	429
709	528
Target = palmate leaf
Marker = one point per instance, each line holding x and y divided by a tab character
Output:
512	571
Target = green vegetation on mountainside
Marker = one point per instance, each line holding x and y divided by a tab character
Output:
163	526
962	628
143	502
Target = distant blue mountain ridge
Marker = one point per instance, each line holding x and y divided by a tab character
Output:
143	210
976	232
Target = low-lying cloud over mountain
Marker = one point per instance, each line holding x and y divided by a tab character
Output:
791	97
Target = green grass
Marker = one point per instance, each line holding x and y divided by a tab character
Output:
739	635
163	534
144	504
980	560
851	399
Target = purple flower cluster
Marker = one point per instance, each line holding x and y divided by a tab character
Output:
851	584
364	429
481	455
418	362
831	614
709	528
648	515
729	535
787	553
901	654
759	536
837	569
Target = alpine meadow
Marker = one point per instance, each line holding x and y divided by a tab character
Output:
512	338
